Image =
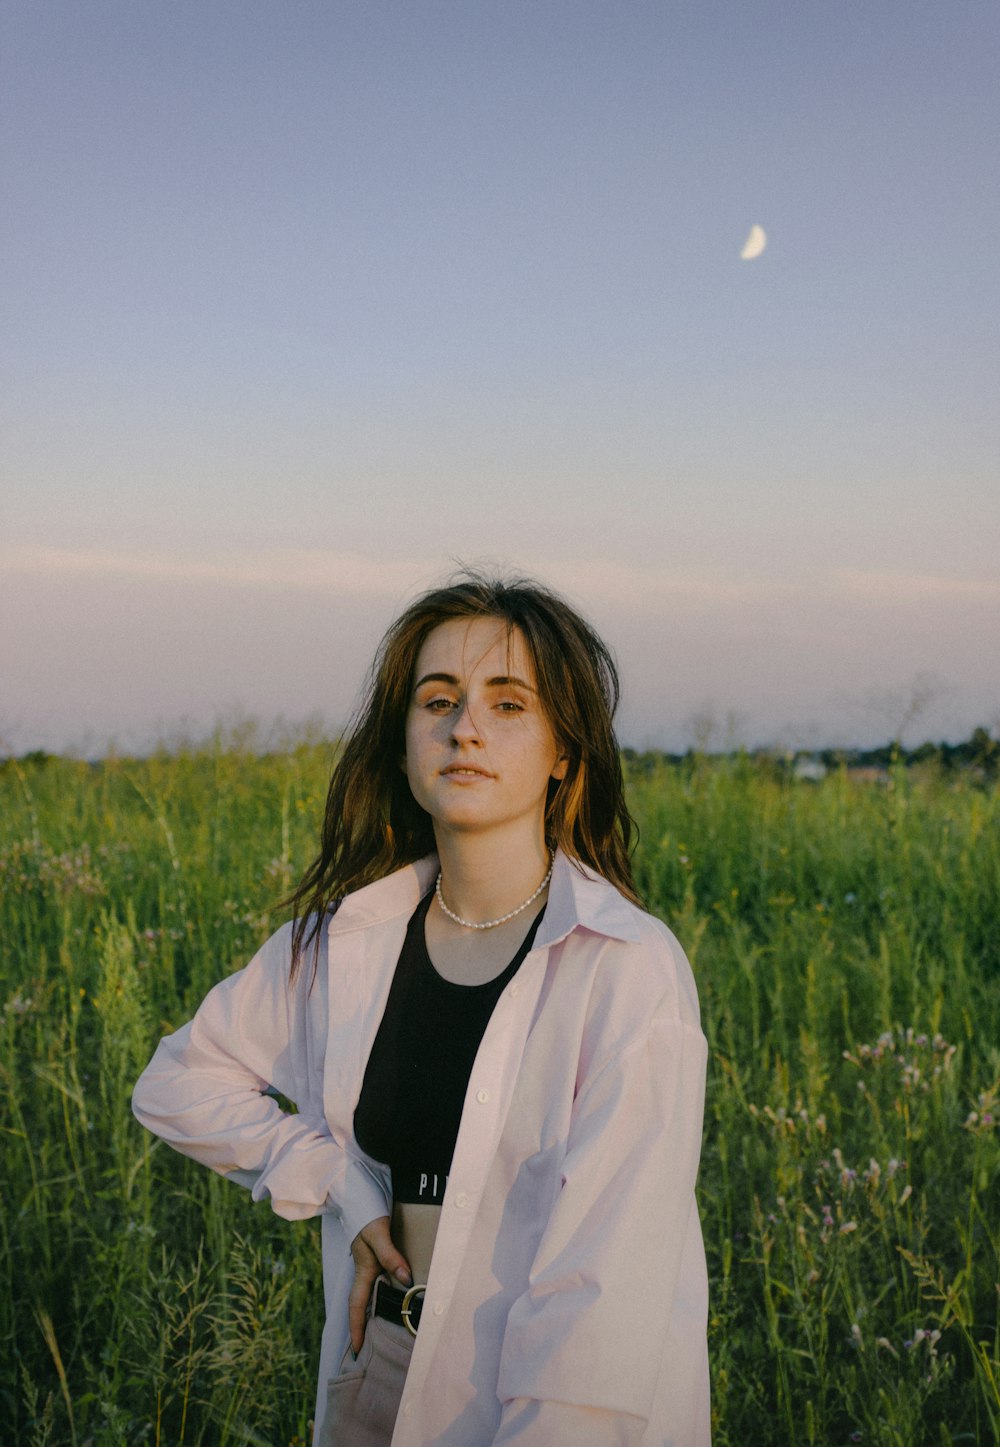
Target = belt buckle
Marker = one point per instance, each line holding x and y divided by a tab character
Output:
404	1310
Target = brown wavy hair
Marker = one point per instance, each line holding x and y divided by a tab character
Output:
373	825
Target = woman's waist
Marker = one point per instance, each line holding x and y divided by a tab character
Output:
414	1230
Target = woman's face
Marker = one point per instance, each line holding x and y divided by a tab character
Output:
480	750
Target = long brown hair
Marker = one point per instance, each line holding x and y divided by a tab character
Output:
373	825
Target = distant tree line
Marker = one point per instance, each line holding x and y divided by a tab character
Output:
980	753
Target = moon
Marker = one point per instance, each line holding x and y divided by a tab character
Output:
754	243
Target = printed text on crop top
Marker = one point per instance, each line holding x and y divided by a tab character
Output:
418	1072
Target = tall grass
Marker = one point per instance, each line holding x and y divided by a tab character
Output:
846	942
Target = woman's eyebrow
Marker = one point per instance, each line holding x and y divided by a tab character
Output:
437	678
509	681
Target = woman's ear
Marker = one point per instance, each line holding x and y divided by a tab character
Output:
561	767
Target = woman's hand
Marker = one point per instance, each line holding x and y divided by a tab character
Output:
373	1252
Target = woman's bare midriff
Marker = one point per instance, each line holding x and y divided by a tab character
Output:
414	1228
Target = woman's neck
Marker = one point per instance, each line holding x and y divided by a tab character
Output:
483	877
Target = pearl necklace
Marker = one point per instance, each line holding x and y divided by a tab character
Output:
492	923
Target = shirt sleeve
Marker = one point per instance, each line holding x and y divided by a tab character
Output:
203	1092
611	1293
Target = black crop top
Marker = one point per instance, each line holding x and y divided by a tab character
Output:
418	1072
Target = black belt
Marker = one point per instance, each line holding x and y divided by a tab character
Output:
393	1303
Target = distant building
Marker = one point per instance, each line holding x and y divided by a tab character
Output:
809	768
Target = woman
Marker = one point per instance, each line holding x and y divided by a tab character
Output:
495	1056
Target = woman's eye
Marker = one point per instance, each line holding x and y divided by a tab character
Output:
510	705
440	705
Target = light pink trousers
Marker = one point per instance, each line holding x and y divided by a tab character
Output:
362	1401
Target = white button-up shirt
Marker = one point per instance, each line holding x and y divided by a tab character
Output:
567	1296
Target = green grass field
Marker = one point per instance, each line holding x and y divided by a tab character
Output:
846	942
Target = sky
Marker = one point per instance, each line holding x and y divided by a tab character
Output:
306	304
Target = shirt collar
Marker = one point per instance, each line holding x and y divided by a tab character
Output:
578	898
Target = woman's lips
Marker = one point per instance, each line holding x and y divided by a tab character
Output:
464	771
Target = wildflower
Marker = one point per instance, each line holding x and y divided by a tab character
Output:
886	1345
848	1227
985	1116
905	1195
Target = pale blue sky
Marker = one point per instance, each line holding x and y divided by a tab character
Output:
306	300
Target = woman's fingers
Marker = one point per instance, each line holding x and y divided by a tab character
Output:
374	1252
357	1302
377	1238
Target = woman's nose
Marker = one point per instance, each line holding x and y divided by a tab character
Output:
463	725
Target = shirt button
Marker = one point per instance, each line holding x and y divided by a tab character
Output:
408	1409
439	1309
482	1096
461	1199
514	988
